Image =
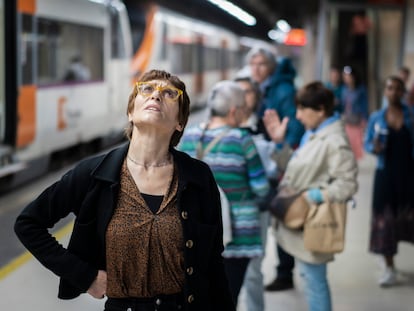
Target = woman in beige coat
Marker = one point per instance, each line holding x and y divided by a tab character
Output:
323	165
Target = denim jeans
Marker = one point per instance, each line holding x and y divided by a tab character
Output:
317	292
253	280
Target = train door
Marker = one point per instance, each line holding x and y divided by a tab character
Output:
2	74
368	37
26	103
8	88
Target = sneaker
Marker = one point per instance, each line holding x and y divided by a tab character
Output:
279	285
389	277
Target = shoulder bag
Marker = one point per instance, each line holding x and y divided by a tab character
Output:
290	207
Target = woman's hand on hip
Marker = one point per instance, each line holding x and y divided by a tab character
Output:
98	287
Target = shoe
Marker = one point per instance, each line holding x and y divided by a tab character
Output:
389	277
279	284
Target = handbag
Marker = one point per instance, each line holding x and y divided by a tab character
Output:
290	207
324	229
225	216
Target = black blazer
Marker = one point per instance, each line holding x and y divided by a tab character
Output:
90	192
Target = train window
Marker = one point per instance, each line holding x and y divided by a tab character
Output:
182	55
224	64
26	55
68	52
137	22
164	40
117	42
211	58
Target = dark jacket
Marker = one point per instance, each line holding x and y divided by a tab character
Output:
90	191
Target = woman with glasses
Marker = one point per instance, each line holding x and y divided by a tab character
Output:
148	231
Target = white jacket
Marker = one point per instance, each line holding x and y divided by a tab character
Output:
326	162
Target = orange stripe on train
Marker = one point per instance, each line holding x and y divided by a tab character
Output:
142	56
26	109
26	6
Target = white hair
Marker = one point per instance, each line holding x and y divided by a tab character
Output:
224	95
264	51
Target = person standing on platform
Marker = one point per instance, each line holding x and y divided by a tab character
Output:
336	85
324	167
238	170
148	228
276	81
390	136
354	101
253	280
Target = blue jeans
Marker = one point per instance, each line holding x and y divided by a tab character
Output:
253	280
316	285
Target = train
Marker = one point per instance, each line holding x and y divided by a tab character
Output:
68	67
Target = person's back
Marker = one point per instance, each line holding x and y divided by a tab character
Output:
238	170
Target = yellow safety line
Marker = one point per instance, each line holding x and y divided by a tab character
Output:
26	256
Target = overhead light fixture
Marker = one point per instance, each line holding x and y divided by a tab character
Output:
283	25
236	11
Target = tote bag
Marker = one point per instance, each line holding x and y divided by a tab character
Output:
324	229
226	217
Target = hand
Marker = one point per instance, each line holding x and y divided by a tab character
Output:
378	146
275	128
315	195
98	287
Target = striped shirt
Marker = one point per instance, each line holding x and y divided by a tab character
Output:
238	170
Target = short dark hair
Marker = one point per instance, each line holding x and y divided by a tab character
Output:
396	79
183	101
255	86
316	96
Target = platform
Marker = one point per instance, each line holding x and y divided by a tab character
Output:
26	285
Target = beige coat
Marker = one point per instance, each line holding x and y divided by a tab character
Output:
326	161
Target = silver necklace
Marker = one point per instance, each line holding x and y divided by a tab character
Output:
165	163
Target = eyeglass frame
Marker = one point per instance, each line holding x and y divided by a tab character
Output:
159	89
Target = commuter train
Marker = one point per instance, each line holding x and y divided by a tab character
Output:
68	66
200	53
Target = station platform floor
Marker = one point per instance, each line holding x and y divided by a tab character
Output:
26	285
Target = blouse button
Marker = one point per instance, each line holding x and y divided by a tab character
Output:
189	243
190	298
184	214
190	270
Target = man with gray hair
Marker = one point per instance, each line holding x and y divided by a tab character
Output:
276	81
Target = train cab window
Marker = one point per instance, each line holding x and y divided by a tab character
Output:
26	56
63	47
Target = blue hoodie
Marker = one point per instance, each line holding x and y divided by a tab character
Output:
279	94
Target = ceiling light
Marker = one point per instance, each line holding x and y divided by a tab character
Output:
236	11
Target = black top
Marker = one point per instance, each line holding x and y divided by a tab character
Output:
153	201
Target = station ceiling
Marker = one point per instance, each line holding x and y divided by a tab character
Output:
267	12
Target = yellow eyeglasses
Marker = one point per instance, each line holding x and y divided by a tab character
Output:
168	92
